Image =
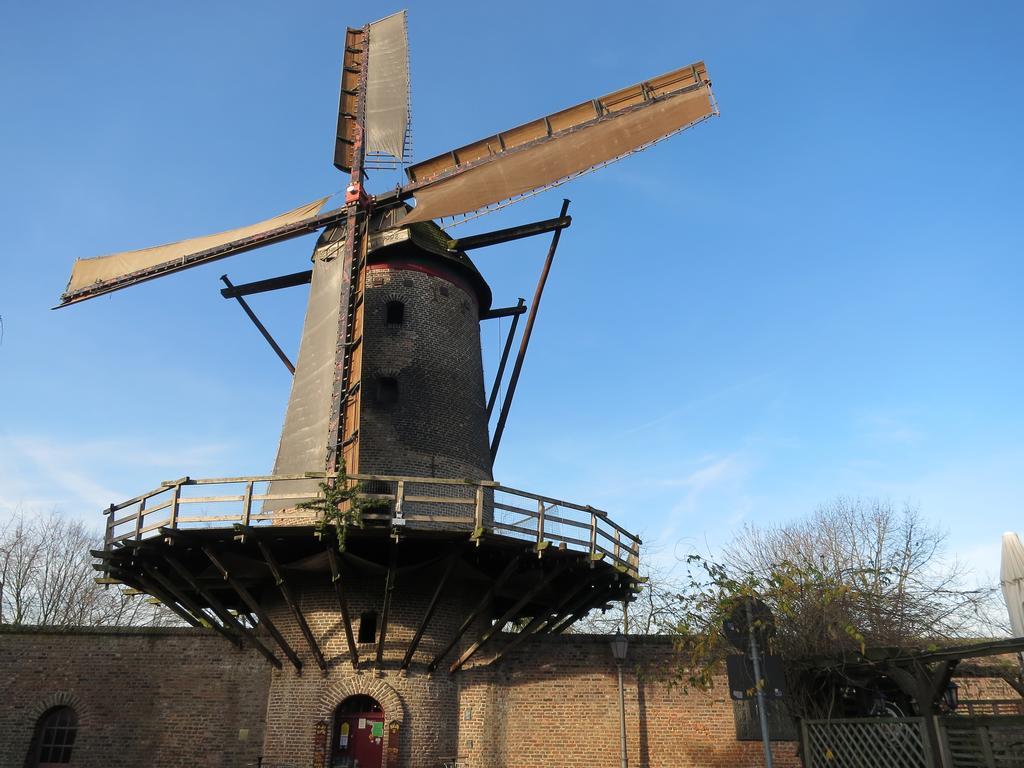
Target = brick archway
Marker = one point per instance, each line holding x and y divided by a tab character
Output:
384	694
60	699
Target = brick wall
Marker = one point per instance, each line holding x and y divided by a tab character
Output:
180	697
554	701
162	698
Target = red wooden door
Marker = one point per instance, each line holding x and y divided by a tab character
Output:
358	740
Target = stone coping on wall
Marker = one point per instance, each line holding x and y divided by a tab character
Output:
117	631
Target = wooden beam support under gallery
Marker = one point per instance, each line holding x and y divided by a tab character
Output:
339	593
581	612
505	617
175	591
389	588
289	599
435	600
246	597
539	621
482	606
222	612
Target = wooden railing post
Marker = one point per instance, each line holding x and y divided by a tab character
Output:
540	522
478	514
173	522
108	533
140	517
399	496
593	538
618	546
247	504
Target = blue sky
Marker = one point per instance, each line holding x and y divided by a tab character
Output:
815	294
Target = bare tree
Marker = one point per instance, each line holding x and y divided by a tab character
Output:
46	578
855	574
894	582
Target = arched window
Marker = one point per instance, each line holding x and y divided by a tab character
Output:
54	737
395	313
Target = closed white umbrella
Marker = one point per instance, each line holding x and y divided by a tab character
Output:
1011	576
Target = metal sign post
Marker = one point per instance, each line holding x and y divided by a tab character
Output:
762	712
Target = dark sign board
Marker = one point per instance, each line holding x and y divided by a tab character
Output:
742	685
781	726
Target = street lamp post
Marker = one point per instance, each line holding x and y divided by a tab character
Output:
620	645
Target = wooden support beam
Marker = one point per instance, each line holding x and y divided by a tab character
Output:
339	593
505	617
162	598
453	559
512	233
175	591
584	606
500	375
270	284
513	312
485	601
260	327
538	622
286	593
166	600
255	607
222	613
389	588
524	343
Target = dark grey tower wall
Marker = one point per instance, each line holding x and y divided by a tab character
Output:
423	407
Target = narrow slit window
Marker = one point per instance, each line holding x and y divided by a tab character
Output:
387	390
395	313
368	627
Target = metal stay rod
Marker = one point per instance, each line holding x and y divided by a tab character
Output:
504	359
270	284
507	235
531	318
259	326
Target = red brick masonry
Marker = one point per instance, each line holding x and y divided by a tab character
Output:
182	697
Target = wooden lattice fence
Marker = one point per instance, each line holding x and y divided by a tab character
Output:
866	743
984	742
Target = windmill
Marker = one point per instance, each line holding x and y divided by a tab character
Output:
396	407
373	123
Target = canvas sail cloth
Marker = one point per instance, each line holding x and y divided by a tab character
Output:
1011	577
101	274
387	86
305	435
560	145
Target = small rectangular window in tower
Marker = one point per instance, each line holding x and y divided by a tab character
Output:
368	627
395	313
387	390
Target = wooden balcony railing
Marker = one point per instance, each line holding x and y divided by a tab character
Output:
477	506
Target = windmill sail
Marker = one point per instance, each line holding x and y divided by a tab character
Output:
1011	577
305	438
560	145
387	86
103	274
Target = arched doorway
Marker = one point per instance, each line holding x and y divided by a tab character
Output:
358	740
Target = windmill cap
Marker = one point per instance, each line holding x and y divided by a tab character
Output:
422	239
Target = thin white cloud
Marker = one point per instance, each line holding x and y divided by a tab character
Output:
81	477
